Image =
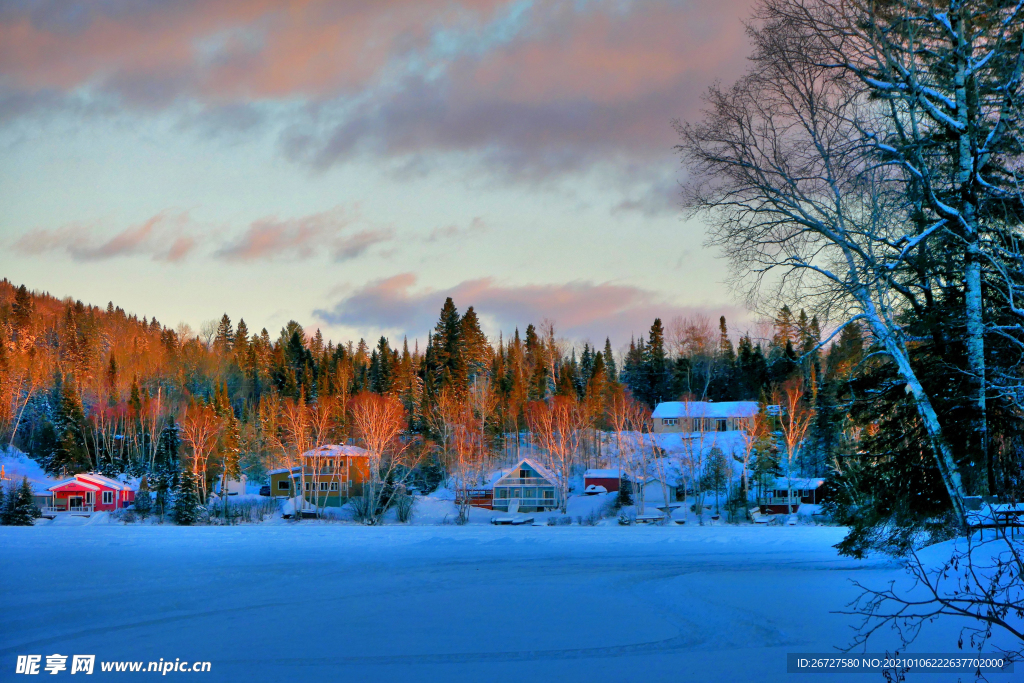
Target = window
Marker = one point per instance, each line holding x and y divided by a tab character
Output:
549	494
721	425
323	486
334	486
524	474
282	485
89	498
502	493
309	486
108	497
670	421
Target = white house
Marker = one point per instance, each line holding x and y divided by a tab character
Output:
702	416
533	486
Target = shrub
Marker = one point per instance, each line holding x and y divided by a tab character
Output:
403	507
592	518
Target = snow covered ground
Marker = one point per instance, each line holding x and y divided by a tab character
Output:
336	602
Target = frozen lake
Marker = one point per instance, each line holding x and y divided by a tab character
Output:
332	602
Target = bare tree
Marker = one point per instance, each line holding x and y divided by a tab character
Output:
948	77
980	583
754	435
200	427
795	420
379	421
696	447
559	426
452	419
798	201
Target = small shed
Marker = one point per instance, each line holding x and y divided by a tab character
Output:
655	489
609	479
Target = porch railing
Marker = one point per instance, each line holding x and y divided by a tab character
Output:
502	503
71	509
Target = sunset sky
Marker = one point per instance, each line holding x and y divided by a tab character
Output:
348	164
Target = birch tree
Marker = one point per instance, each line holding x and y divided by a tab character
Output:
947	76
800	205
795	420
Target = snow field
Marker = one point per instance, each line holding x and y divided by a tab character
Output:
321	601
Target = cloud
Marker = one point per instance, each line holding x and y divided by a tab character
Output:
580	84
476	226
160	237
658	198
581	310
304	237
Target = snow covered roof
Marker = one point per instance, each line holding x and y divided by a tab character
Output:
336	451
92	482
104	481
75	484
602	474
282	470
705	409
799	483
536	466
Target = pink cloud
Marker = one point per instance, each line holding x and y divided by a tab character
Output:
581	310
304	237
159	237
557	87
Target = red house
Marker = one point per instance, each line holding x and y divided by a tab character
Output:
609	479
87	493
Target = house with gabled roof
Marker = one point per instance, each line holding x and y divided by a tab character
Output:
531	485
84	494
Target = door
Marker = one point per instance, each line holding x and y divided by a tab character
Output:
74	502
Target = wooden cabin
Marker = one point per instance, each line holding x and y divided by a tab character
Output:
328	477
534	486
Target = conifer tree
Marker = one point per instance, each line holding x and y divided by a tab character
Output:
609	361
187	510
135	398
19	510
143	500
449	349
225	334
477	349
70	454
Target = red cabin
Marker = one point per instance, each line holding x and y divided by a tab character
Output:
609	479
88	493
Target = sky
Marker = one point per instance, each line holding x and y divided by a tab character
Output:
349	164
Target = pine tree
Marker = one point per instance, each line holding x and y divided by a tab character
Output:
135	398
187	510
20	510
225	335
477	349
609	362
143	500
624	497
70	454
657	377
449	349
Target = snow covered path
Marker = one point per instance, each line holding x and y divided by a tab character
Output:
331	602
